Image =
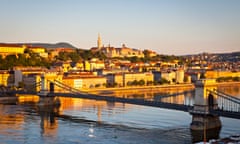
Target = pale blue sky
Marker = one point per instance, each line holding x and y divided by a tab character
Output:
166	26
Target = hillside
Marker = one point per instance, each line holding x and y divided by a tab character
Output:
52	46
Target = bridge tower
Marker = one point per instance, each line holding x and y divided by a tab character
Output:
47	95
43	90
205	101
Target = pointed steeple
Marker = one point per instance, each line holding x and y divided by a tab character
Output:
99	41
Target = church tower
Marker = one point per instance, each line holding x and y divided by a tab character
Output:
99	42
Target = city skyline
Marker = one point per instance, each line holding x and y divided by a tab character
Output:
167	27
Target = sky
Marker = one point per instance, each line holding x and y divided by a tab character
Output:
174	27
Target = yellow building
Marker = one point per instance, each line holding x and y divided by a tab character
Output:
63	66
8	49
85	82
96	64
40	51
130	77
87	66
217	74
79	66
37	49
179	76
115	79
169	76
93	82
6	78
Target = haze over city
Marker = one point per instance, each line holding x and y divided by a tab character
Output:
165	26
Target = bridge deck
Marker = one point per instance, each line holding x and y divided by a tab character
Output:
159	104
142	102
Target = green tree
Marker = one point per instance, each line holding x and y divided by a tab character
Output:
141	82
63	56
135	82
97	85
75	57
164	81
202	76
185	79
99	55
9	62
133	59
129	83
236	79
149	82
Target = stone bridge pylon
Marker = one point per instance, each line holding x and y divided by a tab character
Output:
204	102
46	94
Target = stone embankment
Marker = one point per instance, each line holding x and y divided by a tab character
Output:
136	89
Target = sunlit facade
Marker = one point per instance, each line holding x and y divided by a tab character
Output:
85	82
10	49
130	77
6	78
217	74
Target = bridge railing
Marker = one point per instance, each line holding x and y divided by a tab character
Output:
227	102
33	87
235	99
66	87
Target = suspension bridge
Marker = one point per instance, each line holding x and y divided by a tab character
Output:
208	100
209	103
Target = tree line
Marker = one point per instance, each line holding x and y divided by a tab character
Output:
33	59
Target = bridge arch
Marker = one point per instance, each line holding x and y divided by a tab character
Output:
210	101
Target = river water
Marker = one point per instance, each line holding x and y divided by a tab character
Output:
79	121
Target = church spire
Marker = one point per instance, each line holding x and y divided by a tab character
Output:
99	41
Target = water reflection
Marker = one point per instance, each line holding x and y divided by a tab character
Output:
206	135
168	95
51	115
48	123
230	89
90	121
10	117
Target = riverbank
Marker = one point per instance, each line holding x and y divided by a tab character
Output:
121	90
19	99
228	83
155	88
8	100
136	89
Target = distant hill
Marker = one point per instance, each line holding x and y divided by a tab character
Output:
51	46
234	57
45	45
220	57
236	53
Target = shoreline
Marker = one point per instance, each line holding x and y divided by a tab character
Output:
227	83
154	88
139	88
131	89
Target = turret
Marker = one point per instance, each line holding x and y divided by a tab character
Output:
99	42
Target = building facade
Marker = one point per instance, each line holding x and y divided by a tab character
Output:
111	52
6	78
11	49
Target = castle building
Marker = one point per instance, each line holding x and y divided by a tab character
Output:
111	52
99	42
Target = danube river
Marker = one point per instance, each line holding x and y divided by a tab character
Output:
79	121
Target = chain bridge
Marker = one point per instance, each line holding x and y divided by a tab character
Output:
207	100
209	103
